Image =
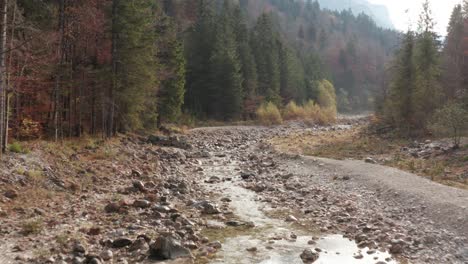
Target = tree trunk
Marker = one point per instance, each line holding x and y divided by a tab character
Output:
3	86
58	76
111	111
11	90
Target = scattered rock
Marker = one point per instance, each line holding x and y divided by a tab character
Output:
11	194
309	256
142	204
246	175
121	242
139	244
112	208
207	207
78	248
106	255
168	248
252	249
213	179
215	244
139	185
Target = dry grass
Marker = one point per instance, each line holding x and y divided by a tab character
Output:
268	114
355	144
309	112
32	227
293	112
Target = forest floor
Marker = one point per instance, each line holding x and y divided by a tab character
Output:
221	195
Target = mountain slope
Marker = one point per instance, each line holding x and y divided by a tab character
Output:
378	12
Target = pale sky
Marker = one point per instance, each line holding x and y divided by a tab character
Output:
441	10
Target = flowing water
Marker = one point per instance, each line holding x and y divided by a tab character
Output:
272	237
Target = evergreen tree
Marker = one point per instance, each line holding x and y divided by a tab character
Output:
249	70
226	68
200	96
172	72
453	54
399	107
314	72
292	77
266	52
136	82
427	94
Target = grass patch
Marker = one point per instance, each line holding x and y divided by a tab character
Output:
35	177
32	227
16	147
62	239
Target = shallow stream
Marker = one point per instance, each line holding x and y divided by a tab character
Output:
272	237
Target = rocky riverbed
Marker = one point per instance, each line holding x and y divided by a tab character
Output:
216	195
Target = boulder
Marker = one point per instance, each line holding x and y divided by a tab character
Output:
309	256
168	248
121	242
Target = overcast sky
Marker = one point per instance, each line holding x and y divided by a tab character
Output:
441	9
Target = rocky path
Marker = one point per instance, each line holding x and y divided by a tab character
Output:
224	195
381	209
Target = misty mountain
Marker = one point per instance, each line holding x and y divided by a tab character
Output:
378	12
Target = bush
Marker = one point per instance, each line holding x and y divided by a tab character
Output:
268	114
16	147
451	120
29	129
326	95
319	115
292	111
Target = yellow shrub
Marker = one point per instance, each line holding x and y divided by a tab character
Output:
311	110
268	114
319	115
326	95
292	111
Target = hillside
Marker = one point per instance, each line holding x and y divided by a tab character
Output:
353	49
378	12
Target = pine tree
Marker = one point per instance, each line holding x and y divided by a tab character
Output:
266	52
200	97
427	94
314	72
172	60
453	55
136	82
249	70
399	107
226	68
292	77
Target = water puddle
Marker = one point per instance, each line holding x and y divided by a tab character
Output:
276	241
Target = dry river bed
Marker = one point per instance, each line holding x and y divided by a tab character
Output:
231	198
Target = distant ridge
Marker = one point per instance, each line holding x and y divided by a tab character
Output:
379	13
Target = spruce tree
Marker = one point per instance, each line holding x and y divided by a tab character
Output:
266	52
136	82
249	70
200	97
226	73
427	93
399	107
453	55
172	71
292	77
